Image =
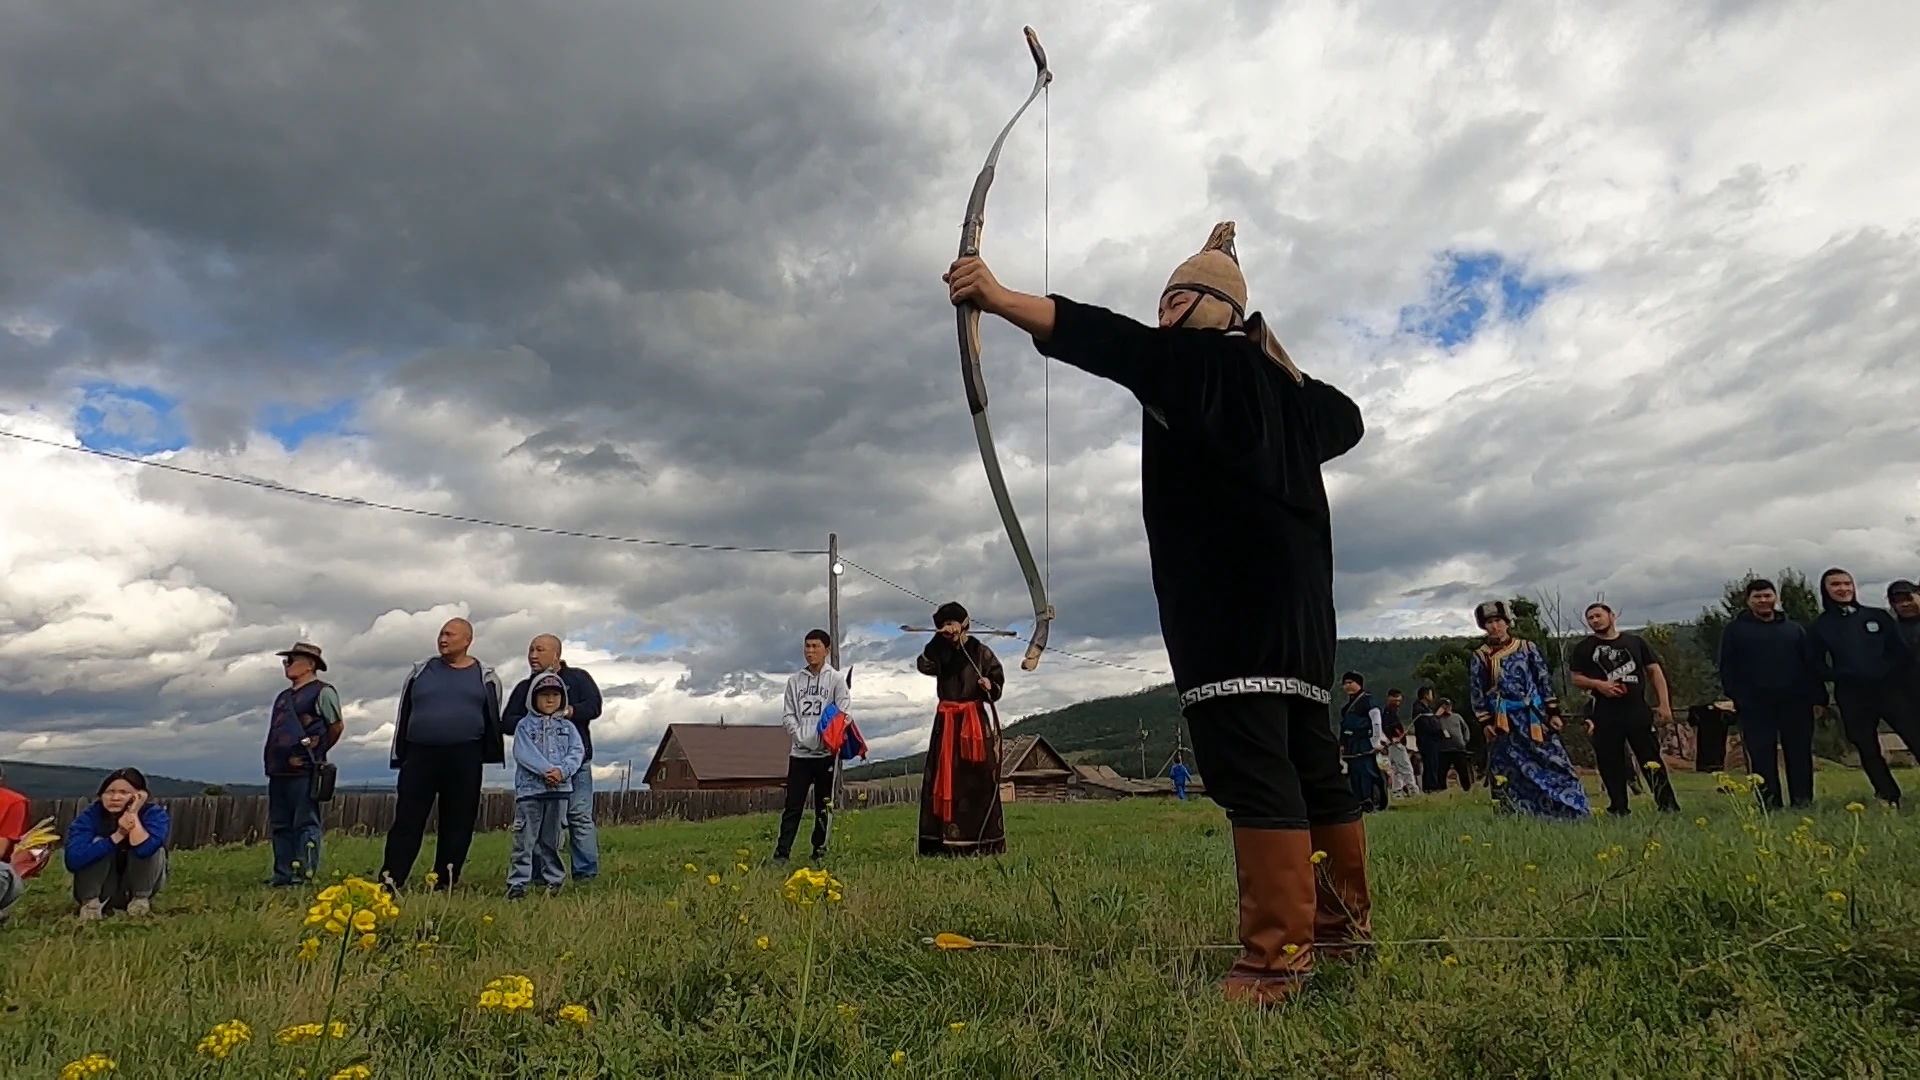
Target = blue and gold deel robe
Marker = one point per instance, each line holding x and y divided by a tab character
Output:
1527	764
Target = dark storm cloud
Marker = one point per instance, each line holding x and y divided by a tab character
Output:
412	176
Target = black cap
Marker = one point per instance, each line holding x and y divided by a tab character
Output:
1903	587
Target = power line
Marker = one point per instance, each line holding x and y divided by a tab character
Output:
890	583
273	486
438	515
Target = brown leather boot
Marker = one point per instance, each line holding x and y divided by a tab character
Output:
1343	904
1276	915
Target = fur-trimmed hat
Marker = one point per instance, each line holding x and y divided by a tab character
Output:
1491	610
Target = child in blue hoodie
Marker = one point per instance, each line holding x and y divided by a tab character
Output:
547	751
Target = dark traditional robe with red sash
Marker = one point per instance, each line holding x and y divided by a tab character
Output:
960	788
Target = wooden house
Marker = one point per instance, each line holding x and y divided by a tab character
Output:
1102	782
1033	770
715	757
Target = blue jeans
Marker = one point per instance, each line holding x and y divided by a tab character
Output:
11	889
295	820
581	834
536	842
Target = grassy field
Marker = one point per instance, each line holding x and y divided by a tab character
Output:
1774	949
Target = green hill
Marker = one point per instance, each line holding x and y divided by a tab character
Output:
1106	731
37	781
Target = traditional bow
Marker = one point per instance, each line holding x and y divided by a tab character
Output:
968	318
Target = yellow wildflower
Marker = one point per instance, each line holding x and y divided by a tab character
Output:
957	1026
740	866
1451	961
1289	948
486	920
807	886
1530	868
576	1014
352	1072
762	943
508	993
432	879
368	941
1836	897
566	956
899	1057
1466	839
713	879
845	1010
691	868
309	948
743	853
224	1038
91	1065
1856	808
300	1033
1700	821
365	921
1318	858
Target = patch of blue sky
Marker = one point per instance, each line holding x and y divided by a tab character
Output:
127	419
293	426
1469	291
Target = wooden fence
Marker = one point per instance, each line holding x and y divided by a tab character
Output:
204	821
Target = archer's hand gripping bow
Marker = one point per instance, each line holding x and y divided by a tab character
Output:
968	319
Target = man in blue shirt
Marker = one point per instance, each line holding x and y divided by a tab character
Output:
1179	775
447	731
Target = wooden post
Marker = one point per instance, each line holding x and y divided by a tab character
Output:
833	657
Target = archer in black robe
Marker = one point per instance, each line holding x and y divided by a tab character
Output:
960	786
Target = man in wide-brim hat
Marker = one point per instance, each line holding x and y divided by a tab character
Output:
1233	441
305	724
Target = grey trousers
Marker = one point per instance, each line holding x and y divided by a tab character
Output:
120	878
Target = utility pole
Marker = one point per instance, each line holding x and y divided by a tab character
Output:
1143	747
834	570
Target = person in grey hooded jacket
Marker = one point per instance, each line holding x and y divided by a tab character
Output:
1859	650
547	751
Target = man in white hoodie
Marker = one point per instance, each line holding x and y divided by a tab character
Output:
809	762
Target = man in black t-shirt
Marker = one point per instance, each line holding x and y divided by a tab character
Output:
1616	668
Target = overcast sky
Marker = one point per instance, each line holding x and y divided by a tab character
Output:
1629	293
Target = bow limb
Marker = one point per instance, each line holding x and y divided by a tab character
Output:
967	317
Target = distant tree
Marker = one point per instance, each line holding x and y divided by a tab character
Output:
215	790
1691	679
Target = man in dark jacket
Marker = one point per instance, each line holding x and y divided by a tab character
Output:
1858	649
1765	668
1428	740
1233	438
1904	598
583	708
447	731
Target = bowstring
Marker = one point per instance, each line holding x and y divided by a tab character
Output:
1046	363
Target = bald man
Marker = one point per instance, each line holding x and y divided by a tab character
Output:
583	708
447	731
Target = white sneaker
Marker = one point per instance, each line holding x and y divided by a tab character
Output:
93	911
139	907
